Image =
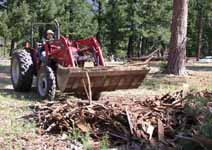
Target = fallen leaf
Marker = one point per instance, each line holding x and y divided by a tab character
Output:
160	130
83	126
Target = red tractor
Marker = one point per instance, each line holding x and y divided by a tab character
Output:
64	68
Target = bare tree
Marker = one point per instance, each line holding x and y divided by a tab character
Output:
199	31
177	53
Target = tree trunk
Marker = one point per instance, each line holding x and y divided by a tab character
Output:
99	19
177	52
112	38
142	46
13	45
199	33
5	46
139	45
130	47
210	47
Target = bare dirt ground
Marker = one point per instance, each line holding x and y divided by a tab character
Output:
16	133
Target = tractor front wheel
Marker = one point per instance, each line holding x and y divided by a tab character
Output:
46	83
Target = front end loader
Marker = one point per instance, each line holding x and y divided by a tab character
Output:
65	67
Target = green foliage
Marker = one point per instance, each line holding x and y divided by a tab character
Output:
104	144
163	66
76	134
19	19
86	141
3	25
123	26
196	106
121	53
76	17
114	19
205	8
206	130
81	23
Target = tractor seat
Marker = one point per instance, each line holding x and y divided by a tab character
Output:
83	58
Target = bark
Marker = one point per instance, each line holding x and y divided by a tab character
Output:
5	45
144	46
199	33
99	19
177	52
139	45
210	47
13	45
113	40
163	49
130	47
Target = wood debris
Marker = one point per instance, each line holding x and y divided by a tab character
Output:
148	119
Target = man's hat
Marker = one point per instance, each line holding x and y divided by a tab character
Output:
50	32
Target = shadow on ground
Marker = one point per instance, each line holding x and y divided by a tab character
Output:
200	68
4	69
27	96
7	91
161	78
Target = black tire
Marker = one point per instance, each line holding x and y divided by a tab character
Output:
21	70
96	96
82	95
46	83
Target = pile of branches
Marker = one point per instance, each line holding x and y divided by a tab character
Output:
121	118
203	94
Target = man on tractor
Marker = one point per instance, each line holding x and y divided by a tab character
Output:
41	51
62	66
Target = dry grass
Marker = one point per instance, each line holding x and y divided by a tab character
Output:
14	105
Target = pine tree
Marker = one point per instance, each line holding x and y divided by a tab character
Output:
4	31
19	19
81	23
177	52
114	20
133	26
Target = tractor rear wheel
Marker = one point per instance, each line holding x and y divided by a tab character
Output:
46	83
21	70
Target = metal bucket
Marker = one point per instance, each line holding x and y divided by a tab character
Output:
101	78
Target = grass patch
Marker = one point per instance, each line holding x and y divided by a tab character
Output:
20	96
104	143
87	141
12	125
197	107
159	86
163	66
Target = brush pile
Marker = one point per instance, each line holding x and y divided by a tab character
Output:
121	118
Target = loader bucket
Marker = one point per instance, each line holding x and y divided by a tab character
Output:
101	78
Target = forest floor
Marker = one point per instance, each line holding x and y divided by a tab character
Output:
18	133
